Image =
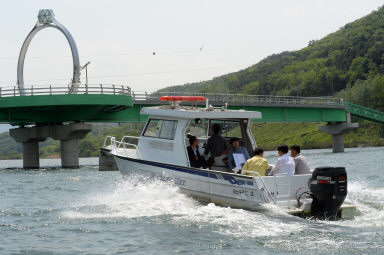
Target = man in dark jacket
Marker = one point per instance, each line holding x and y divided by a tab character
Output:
216	147
195	159
216	143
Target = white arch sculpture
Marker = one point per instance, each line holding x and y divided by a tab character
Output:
46	18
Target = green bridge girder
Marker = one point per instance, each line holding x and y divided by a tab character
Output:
292	114
25	110
295	113
273	113
365	112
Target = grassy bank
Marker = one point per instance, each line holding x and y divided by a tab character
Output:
269	135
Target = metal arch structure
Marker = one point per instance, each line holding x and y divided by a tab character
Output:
46	18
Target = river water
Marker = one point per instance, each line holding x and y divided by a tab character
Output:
84	211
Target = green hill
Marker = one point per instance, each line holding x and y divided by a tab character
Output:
347	63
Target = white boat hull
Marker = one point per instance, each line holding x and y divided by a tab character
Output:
221	188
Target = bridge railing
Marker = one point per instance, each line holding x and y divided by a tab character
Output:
240	98
147	97
109	89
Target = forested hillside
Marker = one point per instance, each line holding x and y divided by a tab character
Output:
348	63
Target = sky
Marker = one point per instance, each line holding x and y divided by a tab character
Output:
149	45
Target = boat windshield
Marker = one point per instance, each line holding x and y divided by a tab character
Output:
198	127
227	128
201	128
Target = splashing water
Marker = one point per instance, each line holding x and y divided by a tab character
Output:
133	199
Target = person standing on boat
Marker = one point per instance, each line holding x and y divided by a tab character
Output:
301	166
195	159
236	148
285	164
216	146
257	163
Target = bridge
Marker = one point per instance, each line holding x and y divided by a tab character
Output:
56	104
274	108
56	112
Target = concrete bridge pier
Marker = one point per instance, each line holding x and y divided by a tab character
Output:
68	134
337	130
30	138
31	154
69	153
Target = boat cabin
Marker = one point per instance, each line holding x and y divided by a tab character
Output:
164	138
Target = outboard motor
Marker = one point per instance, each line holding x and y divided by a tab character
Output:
329	188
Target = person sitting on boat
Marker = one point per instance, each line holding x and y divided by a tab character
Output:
301	166
257	163
195	159
217	147
285	164
236	149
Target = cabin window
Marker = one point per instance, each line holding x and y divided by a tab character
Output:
164	129
227	128
197	127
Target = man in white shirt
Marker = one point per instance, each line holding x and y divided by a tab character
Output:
284	164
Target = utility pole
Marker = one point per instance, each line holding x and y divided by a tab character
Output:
86	72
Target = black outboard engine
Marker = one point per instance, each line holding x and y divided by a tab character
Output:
329	188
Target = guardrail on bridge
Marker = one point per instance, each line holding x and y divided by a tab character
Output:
151	98
110	89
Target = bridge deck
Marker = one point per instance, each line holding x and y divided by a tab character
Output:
273	108
102	103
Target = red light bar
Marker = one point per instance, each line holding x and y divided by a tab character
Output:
182	98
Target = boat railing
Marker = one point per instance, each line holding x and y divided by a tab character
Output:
108	138
128	137
255	175
125	146
287	184
115	145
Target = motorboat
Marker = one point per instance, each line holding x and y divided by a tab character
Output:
161	152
